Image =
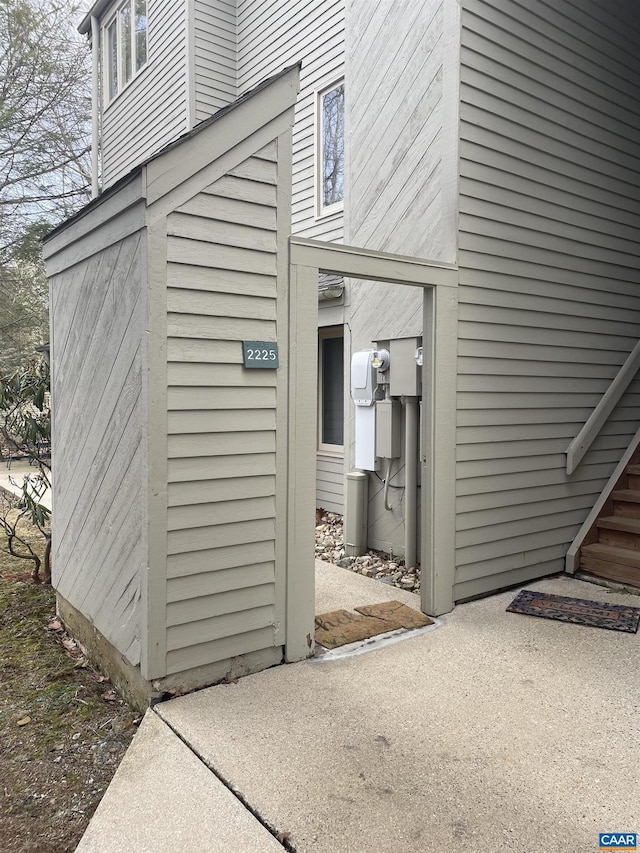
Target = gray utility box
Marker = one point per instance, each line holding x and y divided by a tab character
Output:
388	429
404	373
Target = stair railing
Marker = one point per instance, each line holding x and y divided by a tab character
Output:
583	441
572	559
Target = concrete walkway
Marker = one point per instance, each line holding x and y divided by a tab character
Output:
11	480
491	732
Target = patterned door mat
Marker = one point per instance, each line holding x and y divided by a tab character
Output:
341	627
579	611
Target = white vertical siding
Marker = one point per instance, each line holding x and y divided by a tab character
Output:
222	419
99	538
394	70
214	56
152	110
272	36
549	264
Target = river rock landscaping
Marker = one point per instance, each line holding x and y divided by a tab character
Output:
373	564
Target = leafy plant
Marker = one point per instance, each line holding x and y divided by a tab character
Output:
26	430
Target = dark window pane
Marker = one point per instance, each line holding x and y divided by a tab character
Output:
333	146
333	391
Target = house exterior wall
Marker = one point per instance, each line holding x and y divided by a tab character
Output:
330	482
222	443
99	541
176	464
270	37
549	306
202	55
152	109
213	35
396	179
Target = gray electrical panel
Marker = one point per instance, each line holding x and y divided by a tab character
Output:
388	428
404	373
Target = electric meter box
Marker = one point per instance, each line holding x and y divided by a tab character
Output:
364	382
363	378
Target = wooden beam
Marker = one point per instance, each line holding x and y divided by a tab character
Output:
367	264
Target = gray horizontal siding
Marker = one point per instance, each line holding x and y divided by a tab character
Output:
330	482
549	256
214	56
99	537
221	419
270	37
152	110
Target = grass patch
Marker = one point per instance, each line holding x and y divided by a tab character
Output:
63	728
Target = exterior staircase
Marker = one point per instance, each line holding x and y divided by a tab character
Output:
611	548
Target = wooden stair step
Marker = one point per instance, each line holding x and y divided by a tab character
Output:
628	495
619	522
612	554
620	565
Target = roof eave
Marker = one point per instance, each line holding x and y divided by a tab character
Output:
94	12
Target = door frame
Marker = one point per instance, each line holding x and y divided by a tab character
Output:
308	258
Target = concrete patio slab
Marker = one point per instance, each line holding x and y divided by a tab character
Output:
340	588
494	732
11	480
164	800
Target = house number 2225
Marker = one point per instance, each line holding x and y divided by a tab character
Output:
258	354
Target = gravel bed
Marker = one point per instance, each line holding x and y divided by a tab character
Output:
373	564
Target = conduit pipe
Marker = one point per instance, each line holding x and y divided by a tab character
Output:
387	476
95	96
411	481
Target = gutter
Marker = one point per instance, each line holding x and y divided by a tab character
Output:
95	95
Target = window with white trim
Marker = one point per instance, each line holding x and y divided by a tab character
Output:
330	150
125	45
331	388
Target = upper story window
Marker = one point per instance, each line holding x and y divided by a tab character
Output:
125	40
330	148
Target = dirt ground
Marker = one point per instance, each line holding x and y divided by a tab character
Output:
63	728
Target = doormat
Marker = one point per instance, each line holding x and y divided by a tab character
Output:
579	611
341	627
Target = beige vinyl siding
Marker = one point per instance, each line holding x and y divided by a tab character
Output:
330	482
98	544
152	110
549	260
272	36
214	56
221	419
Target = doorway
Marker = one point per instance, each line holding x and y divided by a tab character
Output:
307	259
